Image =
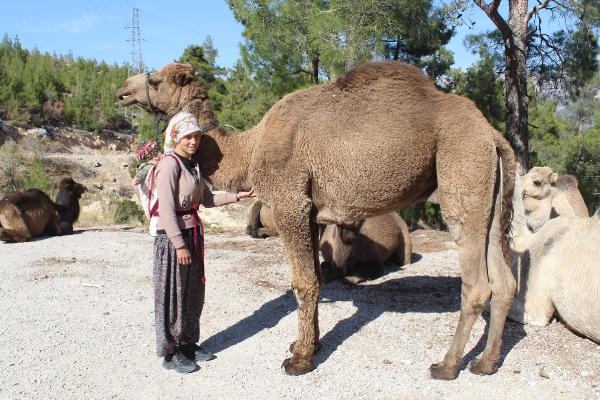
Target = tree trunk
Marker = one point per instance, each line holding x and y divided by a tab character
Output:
314	77
397	49
514	35
517	100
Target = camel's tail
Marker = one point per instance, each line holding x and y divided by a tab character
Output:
508	163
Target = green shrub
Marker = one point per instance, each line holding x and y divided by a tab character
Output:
129	211
426	213
37	177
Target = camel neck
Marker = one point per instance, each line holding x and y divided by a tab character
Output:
224	158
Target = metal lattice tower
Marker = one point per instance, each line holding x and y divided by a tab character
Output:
136	63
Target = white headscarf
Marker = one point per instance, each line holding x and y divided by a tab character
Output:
182	124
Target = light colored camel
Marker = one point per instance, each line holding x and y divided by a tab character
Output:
28	214
260	221
546	195
557	271
360	256
375	140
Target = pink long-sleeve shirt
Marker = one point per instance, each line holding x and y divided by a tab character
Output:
178	195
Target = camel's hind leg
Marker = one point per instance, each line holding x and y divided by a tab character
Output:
503	287
466	195
300	236
12	226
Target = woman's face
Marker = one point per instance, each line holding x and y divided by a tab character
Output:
189	143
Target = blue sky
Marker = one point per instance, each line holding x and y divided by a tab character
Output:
96	29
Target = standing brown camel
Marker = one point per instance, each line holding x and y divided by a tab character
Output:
28	214
377	139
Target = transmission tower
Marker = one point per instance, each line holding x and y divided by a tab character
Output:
136	63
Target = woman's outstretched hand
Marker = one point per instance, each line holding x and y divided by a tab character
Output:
242	195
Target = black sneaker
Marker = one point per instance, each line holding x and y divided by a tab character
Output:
180	363
197	353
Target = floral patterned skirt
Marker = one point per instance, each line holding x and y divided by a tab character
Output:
178	293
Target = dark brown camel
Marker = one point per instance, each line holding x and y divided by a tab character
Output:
32	213
375	140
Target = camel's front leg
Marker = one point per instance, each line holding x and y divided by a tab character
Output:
300	237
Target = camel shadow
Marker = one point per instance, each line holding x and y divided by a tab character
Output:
414	294
411	294
46	237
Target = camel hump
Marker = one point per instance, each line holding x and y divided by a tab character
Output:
566	182
364	74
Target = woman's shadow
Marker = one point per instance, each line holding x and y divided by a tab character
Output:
413	294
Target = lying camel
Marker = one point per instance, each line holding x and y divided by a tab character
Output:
557	271
261	223
32	213
359	254
377	139
546	195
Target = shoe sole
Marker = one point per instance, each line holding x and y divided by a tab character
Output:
204	357
179	369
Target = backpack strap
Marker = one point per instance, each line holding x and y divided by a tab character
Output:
154	209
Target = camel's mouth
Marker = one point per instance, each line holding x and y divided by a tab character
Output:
124	98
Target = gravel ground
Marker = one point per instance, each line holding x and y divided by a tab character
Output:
77	318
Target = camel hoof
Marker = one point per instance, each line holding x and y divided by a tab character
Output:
479	366
442	372
354	280
317	347
297	366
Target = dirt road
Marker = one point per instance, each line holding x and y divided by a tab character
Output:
77	323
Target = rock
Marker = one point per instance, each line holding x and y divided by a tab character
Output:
543	374
96	164
38	132
98	186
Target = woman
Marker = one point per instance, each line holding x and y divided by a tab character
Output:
179	246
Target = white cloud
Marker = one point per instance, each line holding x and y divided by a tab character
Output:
84	23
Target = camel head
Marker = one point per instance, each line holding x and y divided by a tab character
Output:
538	182
537	194
166	91
69	187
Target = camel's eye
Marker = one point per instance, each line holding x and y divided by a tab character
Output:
154	81
537	183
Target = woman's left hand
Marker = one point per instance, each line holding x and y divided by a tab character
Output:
242	195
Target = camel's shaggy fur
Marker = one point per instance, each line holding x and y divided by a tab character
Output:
557	272
28	214
379	138
361	256
260	221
